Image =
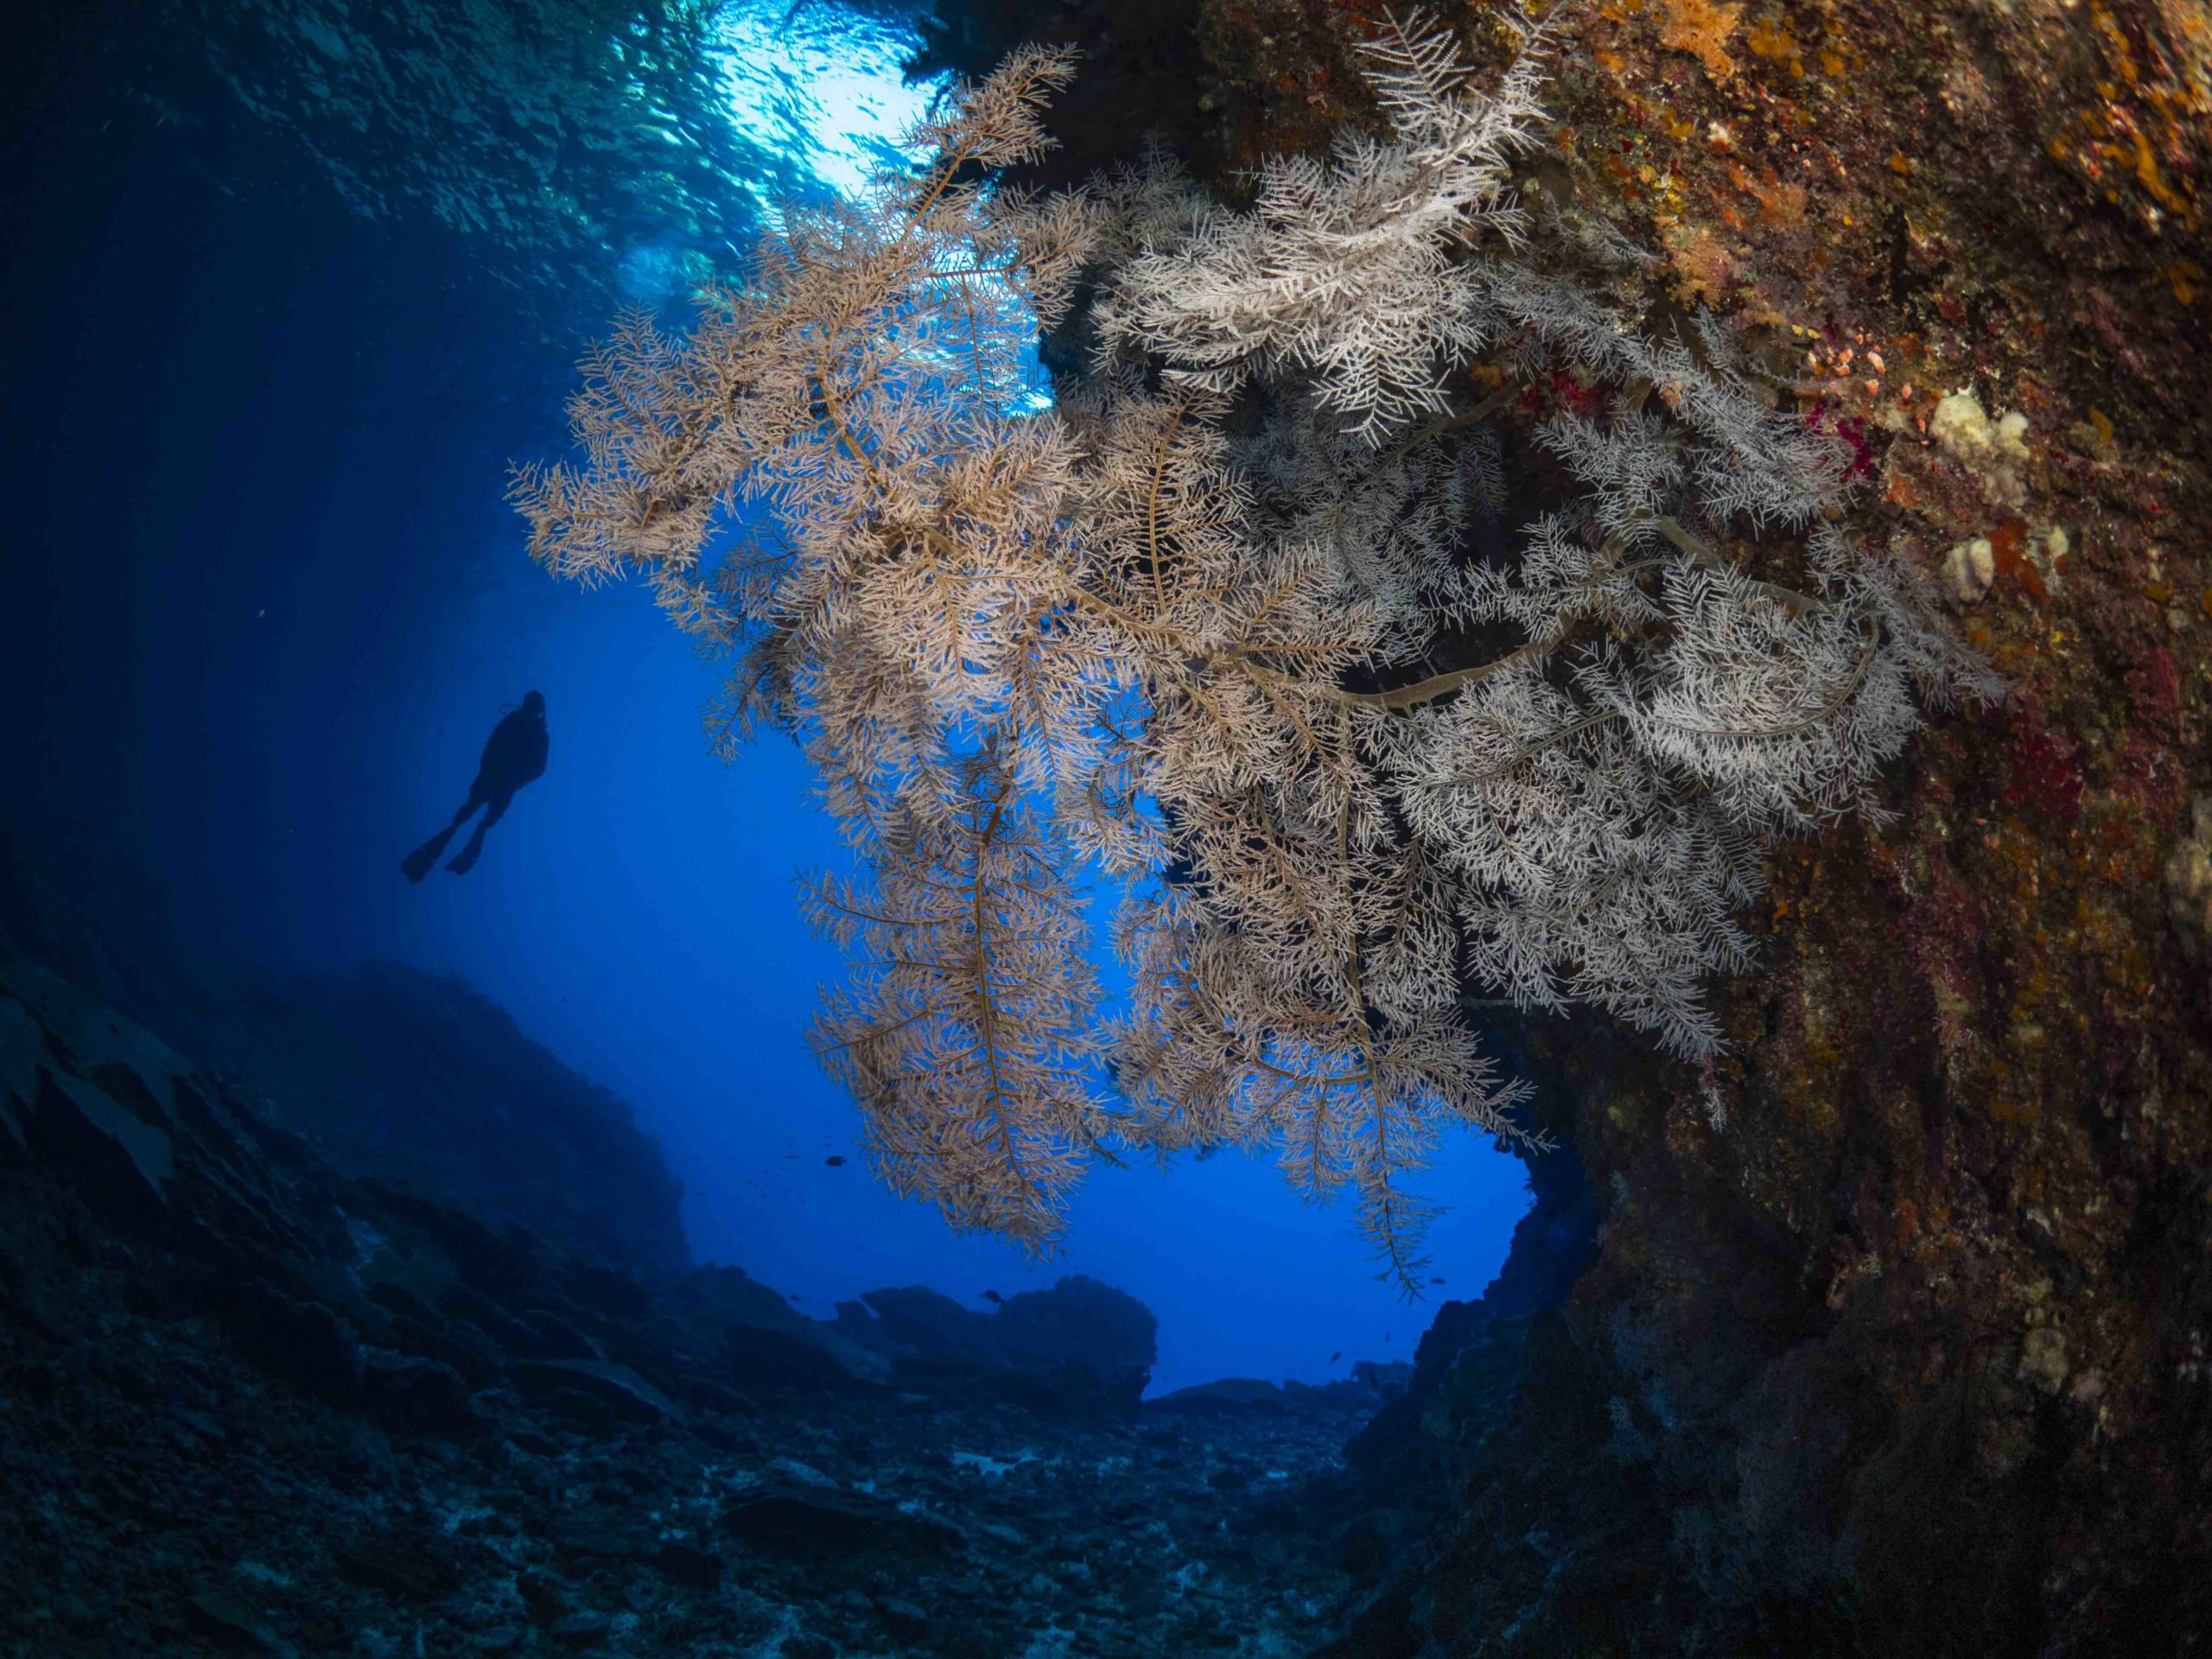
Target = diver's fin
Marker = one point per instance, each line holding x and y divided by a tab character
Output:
465	860
416	864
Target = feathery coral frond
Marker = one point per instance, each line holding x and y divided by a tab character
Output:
1237	620
966	1041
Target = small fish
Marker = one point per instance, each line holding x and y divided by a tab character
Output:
836	1160
1436	1281
1334	1358
993	1297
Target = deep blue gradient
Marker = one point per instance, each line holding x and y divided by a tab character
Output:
264	601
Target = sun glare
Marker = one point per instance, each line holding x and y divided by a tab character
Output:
824	87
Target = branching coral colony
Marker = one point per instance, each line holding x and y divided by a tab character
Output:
1234	623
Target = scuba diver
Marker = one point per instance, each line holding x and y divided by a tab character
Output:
514	755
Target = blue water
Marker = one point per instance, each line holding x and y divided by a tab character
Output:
285	305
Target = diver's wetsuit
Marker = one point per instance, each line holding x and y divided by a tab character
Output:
514	755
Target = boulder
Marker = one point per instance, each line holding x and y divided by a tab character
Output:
753	1357
1081	1346
625	1396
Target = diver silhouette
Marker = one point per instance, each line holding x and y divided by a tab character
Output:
514	755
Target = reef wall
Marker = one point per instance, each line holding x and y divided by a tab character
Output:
1896	1335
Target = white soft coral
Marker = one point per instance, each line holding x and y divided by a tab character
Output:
1344	268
